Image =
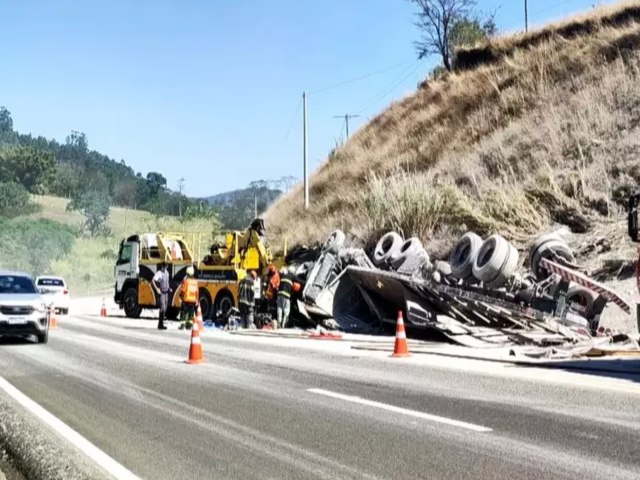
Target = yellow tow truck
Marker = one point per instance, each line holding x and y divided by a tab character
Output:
218	274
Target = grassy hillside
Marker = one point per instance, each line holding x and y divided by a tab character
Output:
89	266
530	131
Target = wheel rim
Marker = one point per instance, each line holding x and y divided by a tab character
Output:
226	304
130	303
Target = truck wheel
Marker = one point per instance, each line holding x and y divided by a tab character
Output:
464	255
131	307
581	300
205	304
43	337
224	303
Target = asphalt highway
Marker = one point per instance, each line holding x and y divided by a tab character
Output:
294	409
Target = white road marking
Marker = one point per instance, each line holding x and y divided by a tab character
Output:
85	446
403	411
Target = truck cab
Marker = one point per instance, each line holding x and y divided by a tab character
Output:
139	257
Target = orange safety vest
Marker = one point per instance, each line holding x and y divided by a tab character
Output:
189	289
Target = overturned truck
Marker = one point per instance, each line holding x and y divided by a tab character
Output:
482	296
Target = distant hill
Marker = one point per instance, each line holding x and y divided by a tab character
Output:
236	208
230	198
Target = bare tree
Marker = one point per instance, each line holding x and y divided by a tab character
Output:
436	20
181	183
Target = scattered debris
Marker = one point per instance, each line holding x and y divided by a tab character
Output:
481	297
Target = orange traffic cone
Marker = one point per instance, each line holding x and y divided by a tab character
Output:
53	321
198	318
401	349
103	310
195	349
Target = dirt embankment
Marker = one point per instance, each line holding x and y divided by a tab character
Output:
531	132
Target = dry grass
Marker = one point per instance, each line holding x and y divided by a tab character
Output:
547	133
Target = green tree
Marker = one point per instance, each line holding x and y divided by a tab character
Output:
31	167
200	210
446	24
95	207
15	200
7	135
156	183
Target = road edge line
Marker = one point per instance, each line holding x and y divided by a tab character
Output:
97	456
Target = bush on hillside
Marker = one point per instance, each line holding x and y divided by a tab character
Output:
15	200
31	167
32	245
95	207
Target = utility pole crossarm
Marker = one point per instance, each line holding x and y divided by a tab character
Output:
346	118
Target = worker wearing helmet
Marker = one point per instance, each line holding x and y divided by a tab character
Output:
189	296
246	298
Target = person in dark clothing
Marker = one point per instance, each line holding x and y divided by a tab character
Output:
288	284
247	294
160	284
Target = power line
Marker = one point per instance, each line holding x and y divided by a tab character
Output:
293	119
391	89
362	77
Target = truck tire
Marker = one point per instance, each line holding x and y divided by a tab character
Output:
581	300
547	246
130	301
411	249
496	261
206	304
224	303
334	243
387	246
464	255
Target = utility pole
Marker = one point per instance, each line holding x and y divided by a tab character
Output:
255	205
304	150
526	17
346	120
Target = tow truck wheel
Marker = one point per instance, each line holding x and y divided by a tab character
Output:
224	303
131	307
205	304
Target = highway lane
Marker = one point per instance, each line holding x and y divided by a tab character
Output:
253	410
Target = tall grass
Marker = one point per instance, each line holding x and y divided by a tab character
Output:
547	133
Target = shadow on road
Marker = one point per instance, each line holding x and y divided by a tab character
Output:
17	341
626	369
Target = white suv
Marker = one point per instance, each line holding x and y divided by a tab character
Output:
55	291
23	311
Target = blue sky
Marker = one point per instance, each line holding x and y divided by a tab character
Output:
208	90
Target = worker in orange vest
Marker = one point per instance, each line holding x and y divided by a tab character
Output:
189	295
273	282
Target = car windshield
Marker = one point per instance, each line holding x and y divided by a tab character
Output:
50	282
16	284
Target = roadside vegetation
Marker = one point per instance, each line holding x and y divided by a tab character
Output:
88	262
526	132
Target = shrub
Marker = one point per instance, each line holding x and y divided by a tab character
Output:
15	200
32	245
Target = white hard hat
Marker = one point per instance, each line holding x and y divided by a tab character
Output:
190	271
